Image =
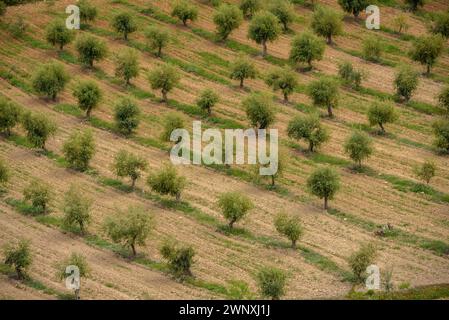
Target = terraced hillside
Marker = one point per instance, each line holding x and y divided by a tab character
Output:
386	192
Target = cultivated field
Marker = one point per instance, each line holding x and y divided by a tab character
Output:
386	192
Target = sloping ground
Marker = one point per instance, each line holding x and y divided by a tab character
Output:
318	267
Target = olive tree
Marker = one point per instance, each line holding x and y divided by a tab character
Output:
324	183
308	128
401	23
243	68
126	116
358	147
207	100
264	27
4	174
157	39
179	257
39	195
79	149
250	7
90	49
426	171
77	260
88	12
259	110
441	24
127	65
58	34
18	256
172	122
283	10
164	78
372	49
271	282
427	49
349	75
443	99
49	80
38	129
10	114
283	79
414	4
324	93
167	181
185	11
124	23
129	165
88	95
360	260
306	48
289	226
406	82
130	228
234	206
380	113
227	18
327	23
353	6
441	132
76	209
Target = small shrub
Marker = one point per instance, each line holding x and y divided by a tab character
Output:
441	132
77	260
79	149
185	11
259	110
130	228
157	39
58	34
127	65
167	182
234	206
360	260
19	257
243	69
324	183
359	147
289	226
180	258
372	49
4	174
38	129
39	195
426	171
88	12
10	114
440	25
88	95
164	78
18	28
381	113
349	75
172	122
207	100
271	282
129	165
443	99
50	79
400	23
90	49
126	116
405	82
308	128
76	209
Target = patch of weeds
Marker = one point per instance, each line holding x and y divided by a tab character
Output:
322	262
116	184
23	207
67	57
425	108
69	109
226	230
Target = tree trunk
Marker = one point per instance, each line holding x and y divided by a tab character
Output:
241	82
159	52
61	46
231	223
329	39
329	111
272	181
428	70
133	183
133	248
285	98
293	244
88	112
184	22
326	203
19	273
125	35
264	49
178	196
311	146
382	127
164	96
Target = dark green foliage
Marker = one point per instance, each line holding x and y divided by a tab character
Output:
260	110
406	82
88	95
427	49
207	100
180	258
50	79
90	49
324	93
58	34
234	206
353	6
308	128
324	183
350	75
263	28
289	226
381	113
185	11
124	23
250	7
126	116
441	24
130	228
283	79
243	68
9	115
39	195
167	182
441	132
414	4
443	99
38	128
271	282
88	12
127	65
306	47
227	18
19	257
79	149
129	165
